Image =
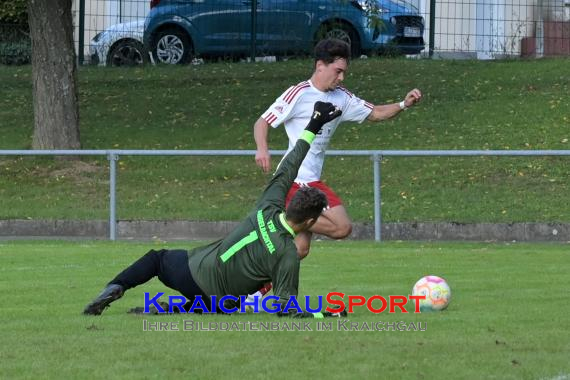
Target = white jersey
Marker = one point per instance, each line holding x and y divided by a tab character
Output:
294	108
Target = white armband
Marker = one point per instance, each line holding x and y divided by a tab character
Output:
403	105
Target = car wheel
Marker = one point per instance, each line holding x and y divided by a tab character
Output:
342	32
126	53
172	46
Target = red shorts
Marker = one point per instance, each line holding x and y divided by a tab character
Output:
332	198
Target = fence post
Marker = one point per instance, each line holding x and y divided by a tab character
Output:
80	47
540	30
377	159
253	28
113	158
431	27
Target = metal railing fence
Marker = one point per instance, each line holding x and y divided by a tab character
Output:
375	155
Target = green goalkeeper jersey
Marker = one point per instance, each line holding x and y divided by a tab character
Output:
261	248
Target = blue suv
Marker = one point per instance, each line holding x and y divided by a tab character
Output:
178	30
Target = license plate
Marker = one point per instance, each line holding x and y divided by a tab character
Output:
410	31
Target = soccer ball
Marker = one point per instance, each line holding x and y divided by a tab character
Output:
436	290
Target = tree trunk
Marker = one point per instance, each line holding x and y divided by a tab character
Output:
54	73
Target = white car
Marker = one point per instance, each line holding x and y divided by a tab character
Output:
119	45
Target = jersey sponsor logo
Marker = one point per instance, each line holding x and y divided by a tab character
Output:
263	231
230	304
271	226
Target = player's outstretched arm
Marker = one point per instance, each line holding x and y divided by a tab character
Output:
387	111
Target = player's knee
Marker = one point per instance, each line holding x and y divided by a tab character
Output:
342	231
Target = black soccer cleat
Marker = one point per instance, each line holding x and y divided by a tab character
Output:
111	293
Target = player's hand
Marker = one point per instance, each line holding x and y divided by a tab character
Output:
263	160
412	97
322	114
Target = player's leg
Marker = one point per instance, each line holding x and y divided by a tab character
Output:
137	273
171	267
334	223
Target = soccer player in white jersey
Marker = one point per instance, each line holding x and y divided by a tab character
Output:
293	109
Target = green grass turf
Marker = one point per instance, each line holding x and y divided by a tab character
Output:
511	104
507	319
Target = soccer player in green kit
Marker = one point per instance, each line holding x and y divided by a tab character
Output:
260	250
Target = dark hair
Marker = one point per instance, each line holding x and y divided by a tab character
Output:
308	202
331	49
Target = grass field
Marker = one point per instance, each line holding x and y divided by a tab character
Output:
508	318
512	104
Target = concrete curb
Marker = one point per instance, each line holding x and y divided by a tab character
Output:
192	230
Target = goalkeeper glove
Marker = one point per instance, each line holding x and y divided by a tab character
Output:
341	314
322	114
